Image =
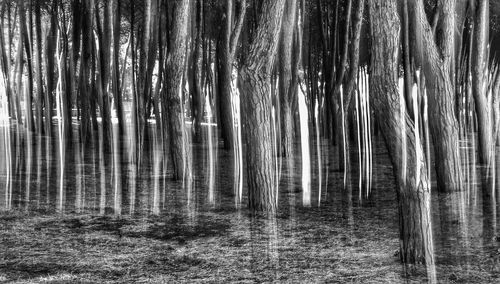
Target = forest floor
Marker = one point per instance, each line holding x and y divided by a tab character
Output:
313	245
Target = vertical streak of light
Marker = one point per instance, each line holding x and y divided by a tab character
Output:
318	150
358	132
157	157
370	149
29	152
427	138
304	144
343	133
211	160
117	170
7	147
402	114
60	124
80	181
416	112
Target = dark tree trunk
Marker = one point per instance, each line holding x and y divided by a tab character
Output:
49	67
115	7
196	82
413	185
255	81
173	106
226	49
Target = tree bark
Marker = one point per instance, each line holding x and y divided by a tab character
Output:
255	81
173	105
286	91
436	68
482	100
226	50
412	183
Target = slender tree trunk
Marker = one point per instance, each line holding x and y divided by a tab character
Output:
482	100
84	76
28	49
436	68
115	7
286	91
49	67
196	88
255	81
413	185
226	49
173	105
39	75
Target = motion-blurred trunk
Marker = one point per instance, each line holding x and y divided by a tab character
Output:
255	81
413	185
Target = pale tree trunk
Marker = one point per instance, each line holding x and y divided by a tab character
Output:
172	104
412	182
437	62
254	84
480	73
286	91
226	49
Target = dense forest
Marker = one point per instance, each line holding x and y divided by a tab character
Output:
422	74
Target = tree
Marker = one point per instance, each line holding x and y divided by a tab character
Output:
286	89
254	85
226	50
437	60
412	183
173	103
483	99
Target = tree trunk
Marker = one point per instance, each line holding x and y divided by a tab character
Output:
286	91
115	7
196	88
49	67
173	105
436	68
482	100
226	49
413	185
255	81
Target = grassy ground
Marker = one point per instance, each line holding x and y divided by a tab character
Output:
212	247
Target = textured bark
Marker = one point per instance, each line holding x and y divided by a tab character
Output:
196	77
436	68
115	7
226	49
482	100
413	186
172	103
286	90
84	76
28	96
255	81
49	67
